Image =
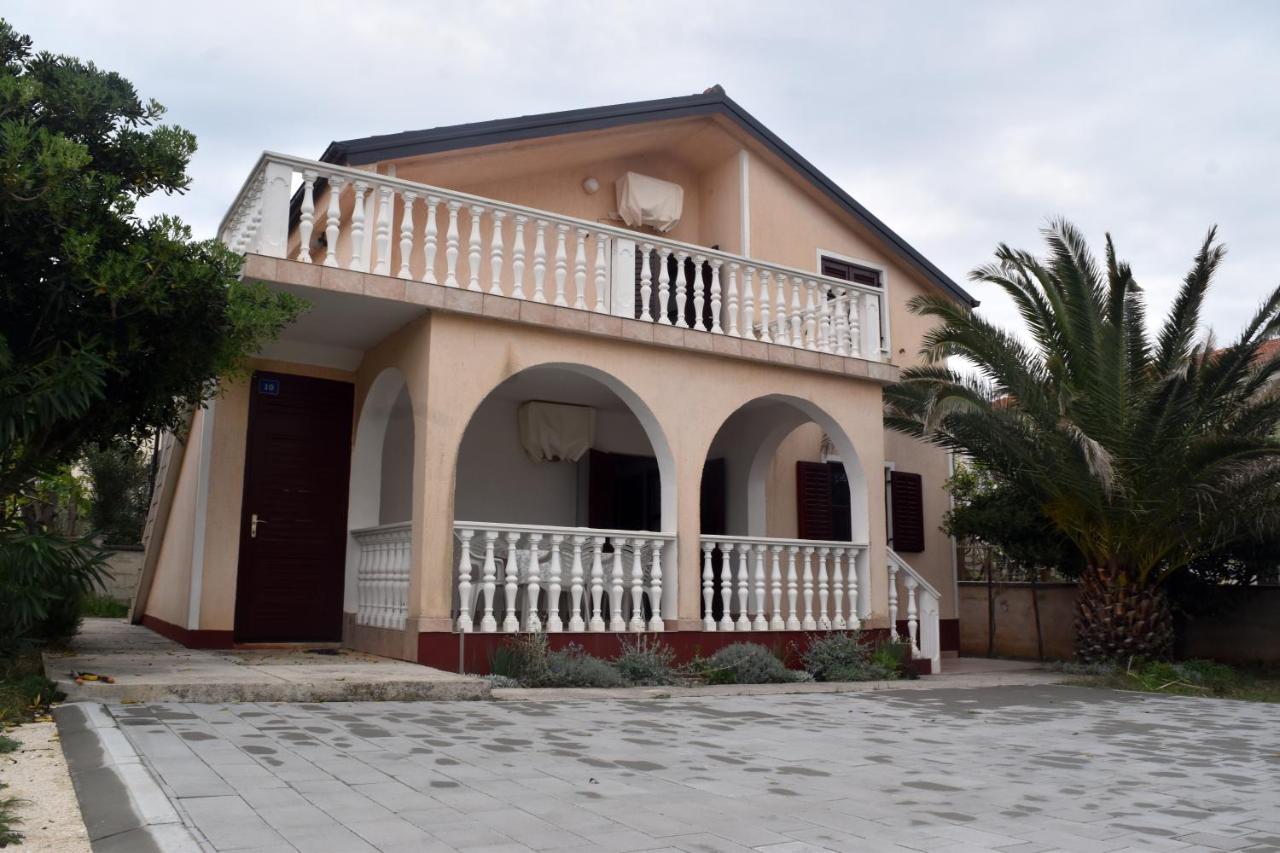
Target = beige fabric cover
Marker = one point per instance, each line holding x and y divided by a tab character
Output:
553	432
643	200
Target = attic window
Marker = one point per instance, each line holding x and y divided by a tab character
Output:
836	268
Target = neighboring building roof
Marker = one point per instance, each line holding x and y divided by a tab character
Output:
714	101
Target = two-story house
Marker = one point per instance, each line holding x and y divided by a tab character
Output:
603	371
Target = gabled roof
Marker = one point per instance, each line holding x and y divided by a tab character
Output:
714	101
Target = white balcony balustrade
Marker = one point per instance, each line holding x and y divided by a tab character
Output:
360	220
912	596
782	584
382	575
519	577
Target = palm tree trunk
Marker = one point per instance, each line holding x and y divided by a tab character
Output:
1118	619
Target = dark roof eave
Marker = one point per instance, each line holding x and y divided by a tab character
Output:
356	152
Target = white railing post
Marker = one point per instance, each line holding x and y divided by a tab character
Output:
533	622
622	280
726	588
838	621
597	583
273	231
869	326
554	625
708	588
913	611
636	622
656	624
511	587
382	232
743	622
760	623
616	577
464	580
575	586
892	569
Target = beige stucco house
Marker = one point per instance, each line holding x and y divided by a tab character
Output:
605	371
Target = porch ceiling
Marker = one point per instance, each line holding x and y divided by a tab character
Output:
339	327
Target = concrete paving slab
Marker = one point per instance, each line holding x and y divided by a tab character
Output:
1022	768
150	668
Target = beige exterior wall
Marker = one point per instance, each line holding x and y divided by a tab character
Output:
171	587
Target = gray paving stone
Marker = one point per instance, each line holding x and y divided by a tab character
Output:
1021	769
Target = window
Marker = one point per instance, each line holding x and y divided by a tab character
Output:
906	511
836	268
822	502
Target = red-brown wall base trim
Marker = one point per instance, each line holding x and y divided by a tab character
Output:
471	652
191	639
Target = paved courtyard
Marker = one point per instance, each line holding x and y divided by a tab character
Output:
1023	769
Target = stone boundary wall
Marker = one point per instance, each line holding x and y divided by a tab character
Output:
1247	630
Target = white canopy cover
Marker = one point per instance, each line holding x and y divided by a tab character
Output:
555	432
643	200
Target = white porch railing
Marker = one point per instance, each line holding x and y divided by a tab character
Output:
364	221
526	577
773	584
922	607
382	575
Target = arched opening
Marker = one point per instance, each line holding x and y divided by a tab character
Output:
784	521
564	500
381	505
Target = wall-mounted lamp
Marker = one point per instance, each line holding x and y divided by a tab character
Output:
590	186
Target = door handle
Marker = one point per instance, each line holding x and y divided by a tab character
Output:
254	521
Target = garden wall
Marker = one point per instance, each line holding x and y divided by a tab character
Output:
125	566
1245	630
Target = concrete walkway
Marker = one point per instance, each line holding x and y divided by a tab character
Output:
1018	769
149	668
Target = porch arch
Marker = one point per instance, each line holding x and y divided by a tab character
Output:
511	513
381	484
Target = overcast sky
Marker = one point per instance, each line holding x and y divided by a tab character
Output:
960	124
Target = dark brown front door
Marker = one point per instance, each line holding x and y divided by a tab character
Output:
293	530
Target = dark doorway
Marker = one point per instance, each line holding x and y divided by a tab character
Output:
293	527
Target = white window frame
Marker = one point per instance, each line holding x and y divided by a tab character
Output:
886	346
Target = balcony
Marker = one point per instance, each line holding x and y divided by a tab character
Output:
351	219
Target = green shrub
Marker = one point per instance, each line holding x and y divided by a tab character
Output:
101	605
646	662
43	577
748	663
119	481
573	667
845	657
498	682
8	744
8	819
522	658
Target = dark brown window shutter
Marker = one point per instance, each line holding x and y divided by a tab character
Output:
813	500
906	494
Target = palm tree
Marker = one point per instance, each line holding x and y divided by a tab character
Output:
1145	452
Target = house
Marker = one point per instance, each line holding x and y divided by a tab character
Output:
593	372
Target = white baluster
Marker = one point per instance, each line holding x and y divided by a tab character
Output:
682	289
782	333
561	265
793	590
575	586
656	624
637	585
664	286
744	589
382	231
824	591
842	322
473	248
580	271
540	261
597	583
765	304
797	331
913	611
809	624
464	580
488	583
616	622
715	297
533	622
776	622
357	226
838	622
708	588
870	326
760	623
451	246
406	233
517	258
495	254
726	587
810	316
511	624
698	301
824	320
749	303
333	224
554	625
733	300
646	281
429	235
851	579
893	599
602	271
306	215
